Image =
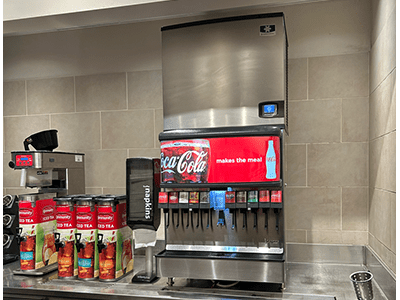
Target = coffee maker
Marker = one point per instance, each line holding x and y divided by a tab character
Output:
53	174
62	173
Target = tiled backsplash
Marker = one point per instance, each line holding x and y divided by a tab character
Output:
382	133
111	117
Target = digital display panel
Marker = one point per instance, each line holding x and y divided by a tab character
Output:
269	109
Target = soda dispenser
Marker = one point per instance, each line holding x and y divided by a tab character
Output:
223	149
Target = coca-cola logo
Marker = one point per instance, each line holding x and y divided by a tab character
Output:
25	213
84	218
63	217
105	218
188	162
48	210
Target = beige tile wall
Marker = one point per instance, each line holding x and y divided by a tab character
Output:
105	110
113	116
382	133
327	194
109	117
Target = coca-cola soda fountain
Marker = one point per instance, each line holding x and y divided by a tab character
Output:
223	149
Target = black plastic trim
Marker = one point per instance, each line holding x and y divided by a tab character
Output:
218	132
222	185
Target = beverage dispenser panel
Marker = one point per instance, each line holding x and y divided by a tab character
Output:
222	193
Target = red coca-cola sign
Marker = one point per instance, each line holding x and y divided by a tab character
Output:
221	160
185	161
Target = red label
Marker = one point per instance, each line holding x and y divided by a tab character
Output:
230	197
107	219
264	196
221	160
66	219
276	196
162	197
85	218
43	211
194	197
173	197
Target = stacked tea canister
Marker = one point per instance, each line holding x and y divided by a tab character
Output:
92	237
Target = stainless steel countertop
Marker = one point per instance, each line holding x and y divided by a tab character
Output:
308	281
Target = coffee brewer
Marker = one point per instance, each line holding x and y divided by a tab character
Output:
55	174
62	173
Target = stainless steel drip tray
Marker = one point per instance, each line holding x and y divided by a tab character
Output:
221	266
220	255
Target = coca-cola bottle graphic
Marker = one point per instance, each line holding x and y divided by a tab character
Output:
270	161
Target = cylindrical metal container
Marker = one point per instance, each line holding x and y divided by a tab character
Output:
86	237
65	237
36	232
115	238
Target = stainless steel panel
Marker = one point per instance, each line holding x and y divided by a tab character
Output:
218	117
216	74
237	270
339	254
226	236
63	160
385	278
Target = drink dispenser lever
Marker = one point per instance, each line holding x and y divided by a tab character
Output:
276	211
221	218
57	241
230	204
166	216
19	237
265	211
100	244
78	243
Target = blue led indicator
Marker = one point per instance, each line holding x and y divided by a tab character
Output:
24	158
269	109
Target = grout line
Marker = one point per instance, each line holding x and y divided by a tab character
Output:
26	97
126	91
74	94
101	133
306	164
383	135
341	208
307	79
341	120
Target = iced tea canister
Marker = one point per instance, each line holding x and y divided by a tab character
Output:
114	238
65	237
86	237
36	232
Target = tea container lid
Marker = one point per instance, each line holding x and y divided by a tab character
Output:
86	198
65	198
110	198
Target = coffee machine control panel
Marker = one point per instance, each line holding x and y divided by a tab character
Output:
25	160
